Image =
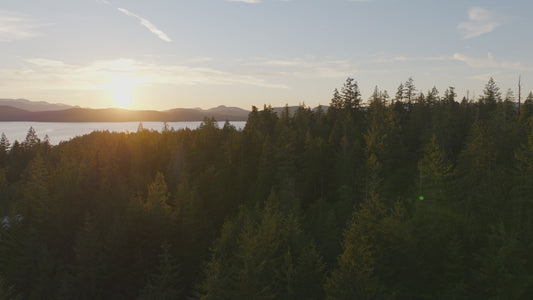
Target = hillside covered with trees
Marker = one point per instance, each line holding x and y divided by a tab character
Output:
418	196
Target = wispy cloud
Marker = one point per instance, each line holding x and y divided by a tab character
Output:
47	74
308	67
484	77
15	26
400	58
480	21
488	62
144	22
46	63
103	2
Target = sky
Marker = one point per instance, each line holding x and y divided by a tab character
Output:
163	54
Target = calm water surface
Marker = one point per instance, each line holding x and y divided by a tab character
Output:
58	132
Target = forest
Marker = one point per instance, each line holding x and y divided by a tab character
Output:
415	196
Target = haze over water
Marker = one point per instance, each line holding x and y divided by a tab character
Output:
64	131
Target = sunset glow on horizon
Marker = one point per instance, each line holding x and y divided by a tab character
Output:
122	93
243	53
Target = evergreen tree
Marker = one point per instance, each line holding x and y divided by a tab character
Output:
158	196
505	268
356	276
434	170
31	139
350	95
432	96
165	283
4	149
400	93
262	255
410	90
491	93
35	205
336	101
450	95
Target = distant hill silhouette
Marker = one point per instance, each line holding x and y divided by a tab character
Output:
29	111
8	113
33	105
25	110
293	109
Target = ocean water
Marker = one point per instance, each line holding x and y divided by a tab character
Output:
63	131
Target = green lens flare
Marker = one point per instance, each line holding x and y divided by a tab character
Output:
421	197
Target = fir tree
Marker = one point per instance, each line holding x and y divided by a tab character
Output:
166	282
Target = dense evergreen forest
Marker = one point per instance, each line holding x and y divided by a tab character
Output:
415	196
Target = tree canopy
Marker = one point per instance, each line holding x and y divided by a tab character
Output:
416	197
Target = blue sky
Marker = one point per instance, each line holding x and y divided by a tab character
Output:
163	54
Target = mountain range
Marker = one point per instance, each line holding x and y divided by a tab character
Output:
25	110
22	110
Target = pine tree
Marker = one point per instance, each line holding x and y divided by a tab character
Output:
400	93
263	255
491	93
309	275
504	267
434	170
523	183
165	284
91	266
374	140
356	277
480	171
35	205
336	101
4	148
410	90
31	139
450	94
432	96
158	196
350	95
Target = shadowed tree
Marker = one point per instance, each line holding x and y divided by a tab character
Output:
434	170
400	93
31	139
263	255
4	150
158	196
487	102
165	284
432	96
350	95
410	90
356	277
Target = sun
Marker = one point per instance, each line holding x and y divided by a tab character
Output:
122	98
122	88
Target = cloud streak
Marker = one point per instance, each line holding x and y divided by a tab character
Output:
488	62
411	58
15	26
149	25
47	74
480	21
305	67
